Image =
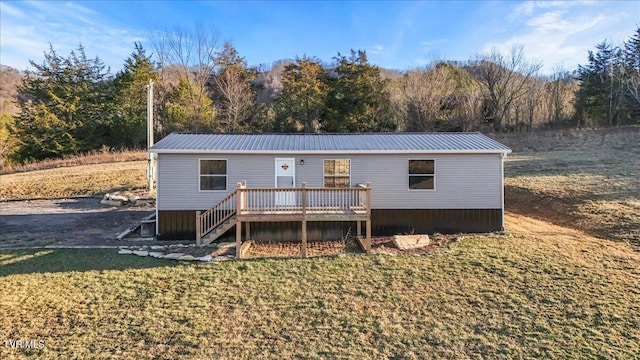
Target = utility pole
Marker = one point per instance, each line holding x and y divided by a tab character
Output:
151	166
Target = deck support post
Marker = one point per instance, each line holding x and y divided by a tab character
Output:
238	239
247	230
303	245
239	203
368	224
368	240
198	228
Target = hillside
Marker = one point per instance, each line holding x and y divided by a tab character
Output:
10	78
89	174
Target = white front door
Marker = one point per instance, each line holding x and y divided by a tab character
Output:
285	179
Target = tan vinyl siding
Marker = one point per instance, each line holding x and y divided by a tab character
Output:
463	181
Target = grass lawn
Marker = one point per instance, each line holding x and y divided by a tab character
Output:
588	179
92	179
499	296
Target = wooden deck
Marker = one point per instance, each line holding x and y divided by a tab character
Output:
247	205
310	215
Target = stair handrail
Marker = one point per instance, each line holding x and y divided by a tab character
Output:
212	218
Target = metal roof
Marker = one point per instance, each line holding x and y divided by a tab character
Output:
330	143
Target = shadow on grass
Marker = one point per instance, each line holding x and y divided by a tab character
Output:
526	202
14	262
561	212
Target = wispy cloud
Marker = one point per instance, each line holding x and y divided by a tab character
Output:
527	8
27	29
7	9
375	49
558	32
80	8
433	44
66	11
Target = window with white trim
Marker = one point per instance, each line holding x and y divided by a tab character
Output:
213	175
337	173
422	174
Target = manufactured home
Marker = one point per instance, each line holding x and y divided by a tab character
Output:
334	184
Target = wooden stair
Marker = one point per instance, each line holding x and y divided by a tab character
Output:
219	230
214	222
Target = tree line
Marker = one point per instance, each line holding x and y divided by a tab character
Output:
73	104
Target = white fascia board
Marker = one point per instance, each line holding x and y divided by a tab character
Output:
318	152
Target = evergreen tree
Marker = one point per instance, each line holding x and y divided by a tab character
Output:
63	107
601	89
358	100
632	73
301	104
632	51
189	110
129	124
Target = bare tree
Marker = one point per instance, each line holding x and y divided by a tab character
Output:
442	97
533	104
398	101
469	108
560	95
633	87
190	53
424	90
232	89
505	79
270	81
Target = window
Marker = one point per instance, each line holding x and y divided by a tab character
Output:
422	174
213	174
337	173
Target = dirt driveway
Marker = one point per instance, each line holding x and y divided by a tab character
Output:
65	222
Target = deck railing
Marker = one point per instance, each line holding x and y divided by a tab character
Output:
303	199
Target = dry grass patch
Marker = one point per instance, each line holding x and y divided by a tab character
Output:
292	249
104	155
494	297
587	179
73	181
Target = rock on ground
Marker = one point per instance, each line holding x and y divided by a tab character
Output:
206	258
222	258
408	242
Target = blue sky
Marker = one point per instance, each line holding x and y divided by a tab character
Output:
398	35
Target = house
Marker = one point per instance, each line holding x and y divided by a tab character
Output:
392	182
